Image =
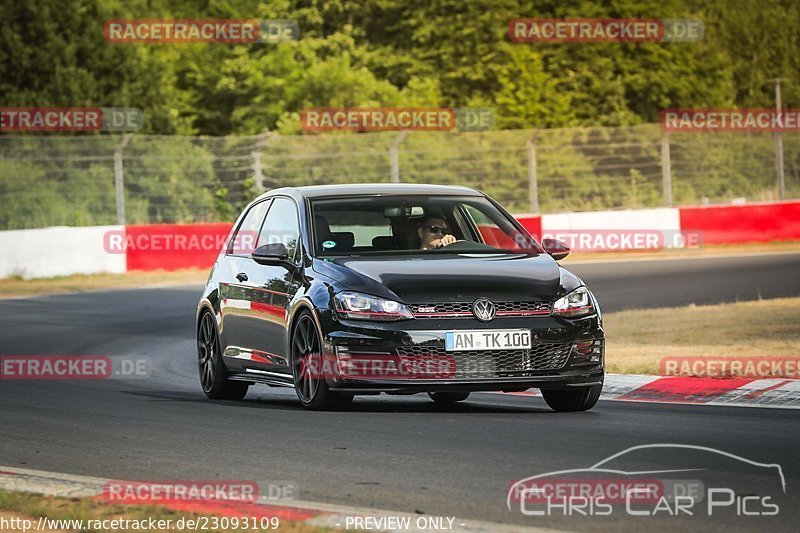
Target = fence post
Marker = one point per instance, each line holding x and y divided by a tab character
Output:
533	178
119	178
258	169
779	144
394	158
666	169
258	174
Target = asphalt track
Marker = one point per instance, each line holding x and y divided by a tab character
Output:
400	453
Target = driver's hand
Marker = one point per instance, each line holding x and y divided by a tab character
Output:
447	239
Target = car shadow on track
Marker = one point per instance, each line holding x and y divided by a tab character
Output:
361	404
401	404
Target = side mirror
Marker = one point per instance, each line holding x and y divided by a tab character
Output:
271	254
557	249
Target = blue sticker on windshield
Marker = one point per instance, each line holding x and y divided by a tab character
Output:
328	244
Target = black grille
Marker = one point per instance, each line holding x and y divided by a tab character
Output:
464	309
489	363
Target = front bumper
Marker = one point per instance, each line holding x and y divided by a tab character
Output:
558	359
414	386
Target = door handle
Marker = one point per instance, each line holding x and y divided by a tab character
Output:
241	276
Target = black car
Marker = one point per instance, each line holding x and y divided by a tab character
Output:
341	290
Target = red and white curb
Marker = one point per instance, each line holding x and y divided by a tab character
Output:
308	513
736	392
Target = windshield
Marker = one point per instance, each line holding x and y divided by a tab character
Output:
399	225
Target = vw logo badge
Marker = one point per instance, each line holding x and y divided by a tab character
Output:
483	309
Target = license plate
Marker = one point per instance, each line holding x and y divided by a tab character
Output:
487	339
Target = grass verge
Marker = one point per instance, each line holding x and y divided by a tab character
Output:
637	340
11	287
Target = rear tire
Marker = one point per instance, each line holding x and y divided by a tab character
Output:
213	374
571	400
448	397
306	355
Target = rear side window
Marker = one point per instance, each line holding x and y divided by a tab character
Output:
281	226
244	241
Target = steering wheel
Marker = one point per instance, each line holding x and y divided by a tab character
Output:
452	243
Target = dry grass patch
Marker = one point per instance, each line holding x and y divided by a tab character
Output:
637	340
10	287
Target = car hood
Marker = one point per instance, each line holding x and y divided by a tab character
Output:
441	278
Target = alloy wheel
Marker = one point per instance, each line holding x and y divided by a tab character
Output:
306	359
207	350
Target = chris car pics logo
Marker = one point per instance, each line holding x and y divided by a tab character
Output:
699	485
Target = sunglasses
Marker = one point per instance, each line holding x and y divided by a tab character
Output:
437	230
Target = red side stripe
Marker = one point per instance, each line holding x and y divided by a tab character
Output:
275	310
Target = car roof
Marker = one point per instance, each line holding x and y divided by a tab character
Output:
377	189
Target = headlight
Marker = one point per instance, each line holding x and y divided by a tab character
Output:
364	307
575	304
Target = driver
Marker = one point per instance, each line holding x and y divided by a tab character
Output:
434	233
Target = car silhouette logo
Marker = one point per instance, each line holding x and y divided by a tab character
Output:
483	309
607	468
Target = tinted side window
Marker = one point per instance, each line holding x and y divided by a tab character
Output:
281	226
490	232
244	241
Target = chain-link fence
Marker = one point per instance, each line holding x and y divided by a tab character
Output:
106	179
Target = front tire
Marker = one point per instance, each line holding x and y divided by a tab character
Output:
308	369
571	400
213	378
